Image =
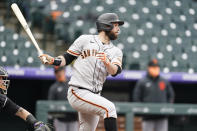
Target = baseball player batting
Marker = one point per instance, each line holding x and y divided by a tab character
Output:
96	58
9	106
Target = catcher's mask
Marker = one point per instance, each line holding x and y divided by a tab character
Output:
4	82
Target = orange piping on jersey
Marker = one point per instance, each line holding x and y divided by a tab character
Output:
116	63
90	103
119	59
72	53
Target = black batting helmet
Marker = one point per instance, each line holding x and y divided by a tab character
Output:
104	21
4	82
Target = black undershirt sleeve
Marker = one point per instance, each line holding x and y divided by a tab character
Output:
3	100
11	107
118	71
69	58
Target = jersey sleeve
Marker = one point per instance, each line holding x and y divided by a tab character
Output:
8	105
117	59
76	48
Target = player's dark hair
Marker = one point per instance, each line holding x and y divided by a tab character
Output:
58	68
99	31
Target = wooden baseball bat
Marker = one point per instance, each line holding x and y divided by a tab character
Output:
23	22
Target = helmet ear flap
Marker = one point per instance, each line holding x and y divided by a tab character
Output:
103	26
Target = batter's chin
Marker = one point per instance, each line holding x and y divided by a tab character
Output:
112	36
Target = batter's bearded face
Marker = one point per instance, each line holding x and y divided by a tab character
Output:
113	34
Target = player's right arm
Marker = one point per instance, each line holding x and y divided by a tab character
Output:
72	53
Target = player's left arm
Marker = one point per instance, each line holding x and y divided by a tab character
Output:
12	108
113	69
31	120
114	66
170	92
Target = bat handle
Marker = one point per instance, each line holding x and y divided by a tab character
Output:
44	58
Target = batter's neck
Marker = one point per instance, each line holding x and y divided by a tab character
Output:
104	38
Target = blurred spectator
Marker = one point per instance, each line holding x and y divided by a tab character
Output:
154	89
58	91
56	14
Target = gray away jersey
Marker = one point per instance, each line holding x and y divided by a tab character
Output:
90	72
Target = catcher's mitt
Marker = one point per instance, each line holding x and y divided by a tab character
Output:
41	126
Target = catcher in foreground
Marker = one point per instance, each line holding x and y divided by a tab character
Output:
9	106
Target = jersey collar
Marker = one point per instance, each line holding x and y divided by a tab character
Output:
103	45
